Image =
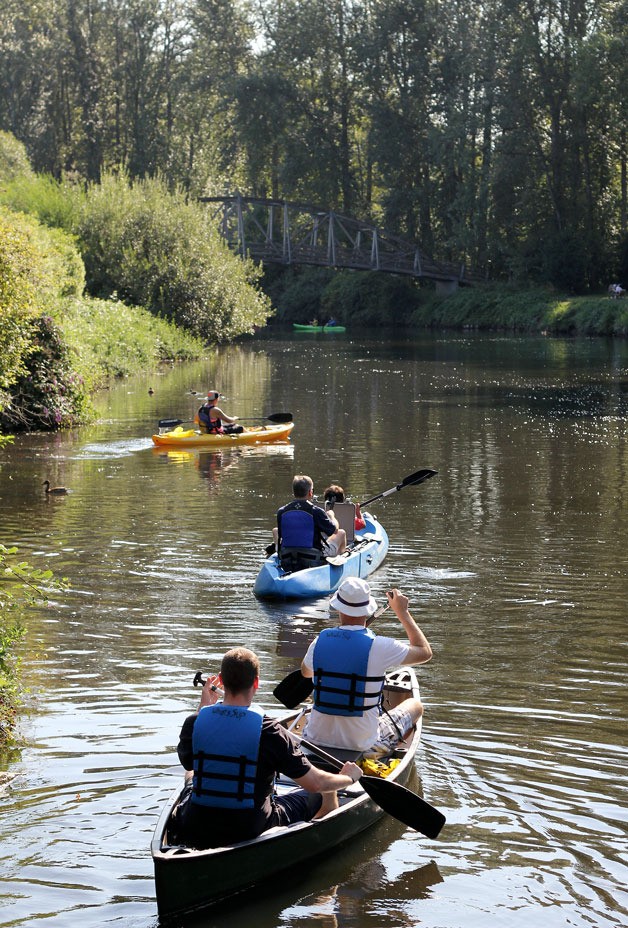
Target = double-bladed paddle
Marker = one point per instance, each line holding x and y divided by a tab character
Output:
278	417
411	480
392	797
294	688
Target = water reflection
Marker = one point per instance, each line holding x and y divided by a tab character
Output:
514	561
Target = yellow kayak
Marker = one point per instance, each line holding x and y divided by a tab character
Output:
190	438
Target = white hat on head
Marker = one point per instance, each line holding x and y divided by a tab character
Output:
353	597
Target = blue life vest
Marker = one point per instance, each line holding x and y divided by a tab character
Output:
225	745
341	684
296	526
213	426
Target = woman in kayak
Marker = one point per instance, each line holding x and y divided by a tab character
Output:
214	421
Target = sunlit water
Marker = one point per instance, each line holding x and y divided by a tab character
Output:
514	560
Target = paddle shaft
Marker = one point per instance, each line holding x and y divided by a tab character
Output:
278	417
392	797
411	480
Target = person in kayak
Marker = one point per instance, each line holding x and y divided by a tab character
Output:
305	533
348	664
214	421
231	753
335	494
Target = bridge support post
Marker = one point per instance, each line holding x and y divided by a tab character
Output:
446	287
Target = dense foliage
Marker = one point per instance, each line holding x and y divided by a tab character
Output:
55	344
490	132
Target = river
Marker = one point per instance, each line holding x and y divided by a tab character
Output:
514	559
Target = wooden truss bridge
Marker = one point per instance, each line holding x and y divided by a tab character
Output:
275	231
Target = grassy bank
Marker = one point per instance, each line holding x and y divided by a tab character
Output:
500	308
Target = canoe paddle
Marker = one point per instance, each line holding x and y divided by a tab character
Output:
411	480
294	688
392	797
278	417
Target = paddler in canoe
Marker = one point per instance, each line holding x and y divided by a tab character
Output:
226	801
347	665
305	533
213	421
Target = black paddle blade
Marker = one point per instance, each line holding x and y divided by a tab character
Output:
293	689
280	417
417	477
404	805
169	423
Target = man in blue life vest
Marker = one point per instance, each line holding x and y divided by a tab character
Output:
306	531
213	420
348	664
231	753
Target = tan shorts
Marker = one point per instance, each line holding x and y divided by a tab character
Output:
392	726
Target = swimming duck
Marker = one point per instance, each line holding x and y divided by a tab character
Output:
58	491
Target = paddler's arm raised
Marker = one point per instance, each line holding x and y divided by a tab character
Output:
420	651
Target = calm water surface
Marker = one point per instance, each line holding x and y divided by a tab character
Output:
514	560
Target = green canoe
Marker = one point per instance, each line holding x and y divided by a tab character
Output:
318	328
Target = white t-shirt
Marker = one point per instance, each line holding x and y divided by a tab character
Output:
356	733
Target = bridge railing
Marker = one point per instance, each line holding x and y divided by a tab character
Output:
297	233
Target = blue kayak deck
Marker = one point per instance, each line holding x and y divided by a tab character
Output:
370	549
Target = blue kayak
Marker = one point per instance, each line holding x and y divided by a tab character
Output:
365	556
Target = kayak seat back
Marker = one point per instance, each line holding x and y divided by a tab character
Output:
293	559
345	513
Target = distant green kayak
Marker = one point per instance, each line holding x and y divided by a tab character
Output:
318	328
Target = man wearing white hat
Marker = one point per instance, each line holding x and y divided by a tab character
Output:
348	664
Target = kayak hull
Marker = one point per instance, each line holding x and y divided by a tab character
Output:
318	328
190	438
368	553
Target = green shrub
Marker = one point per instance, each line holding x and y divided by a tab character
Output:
13	158
111	339
370	298
17	295
154	249
48	394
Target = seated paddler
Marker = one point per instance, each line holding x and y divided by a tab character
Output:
231	752
306	533
213	420
348	664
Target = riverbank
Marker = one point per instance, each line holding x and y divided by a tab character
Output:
500	308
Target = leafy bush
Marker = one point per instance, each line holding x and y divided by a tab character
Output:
17	295
112	339
370	298
155	249
48	394
297	293
13	158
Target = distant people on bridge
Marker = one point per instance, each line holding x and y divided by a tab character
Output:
213	420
